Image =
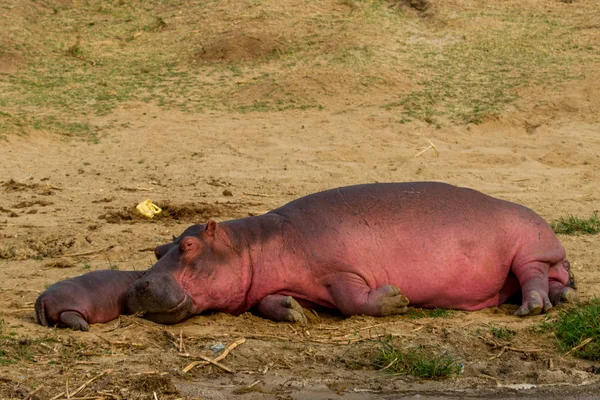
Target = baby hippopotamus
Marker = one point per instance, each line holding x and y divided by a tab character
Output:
97	296
364	249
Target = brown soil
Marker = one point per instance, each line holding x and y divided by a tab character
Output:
67	207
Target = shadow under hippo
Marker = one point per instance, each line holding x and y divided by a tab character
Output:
365	249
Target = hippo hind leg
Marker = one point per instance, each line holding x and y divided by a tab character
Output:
74	320
533	278
280	308
352	296
560	293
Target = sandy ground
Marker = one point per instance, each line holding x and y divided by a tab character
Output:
68	206
60	199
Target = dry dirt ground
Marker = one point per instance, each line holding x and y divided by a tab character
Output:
68	206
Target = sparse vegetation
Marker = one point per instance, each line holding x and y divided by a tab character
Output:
90	58
415	313
7	252
572	225
416	362
502	333
578	330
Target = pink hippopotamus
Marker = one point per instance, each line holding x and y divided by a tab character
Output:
365	249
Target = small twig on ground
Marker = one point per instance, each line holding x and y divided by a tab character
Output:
151	373
80	388
523	350
181	348
146	249
140	189
58	395
171	338
369	327
246	389
216	359
103	339
484	376
505	346
431	146
390	364
580	345
87	253
215	363
258	194
499	354
34	391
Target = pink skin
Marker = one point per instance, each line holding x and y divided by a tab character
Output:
361	250
95	297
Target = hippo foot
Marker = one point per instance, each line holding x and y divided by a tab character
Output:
563	294
352	296
534	303
569	295
392	301
281	308
74	320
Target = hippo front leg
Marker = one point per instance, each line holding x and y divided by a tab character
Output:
281	308
352	296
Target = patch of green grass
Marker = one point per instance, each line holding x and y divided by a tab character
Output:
22	122
416	362
89	58
470	76
14	349
578	325
86	267
416	313
502	333
572	225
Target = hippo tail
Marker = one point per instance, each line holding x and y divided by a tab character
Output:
40	312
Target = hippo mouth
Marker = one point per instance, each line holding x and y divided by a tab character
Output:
173	315
165	302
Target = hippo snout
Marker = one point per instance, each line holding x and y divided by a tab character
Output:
160	298
161	250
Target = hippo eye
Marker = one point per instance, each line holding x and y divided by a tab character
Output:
188	244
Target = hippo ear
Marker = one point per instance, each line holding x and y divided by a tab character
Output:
211	228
